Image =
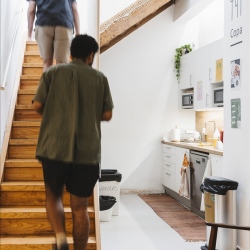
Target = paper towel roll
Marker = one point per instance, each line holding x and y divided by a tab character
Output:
175	135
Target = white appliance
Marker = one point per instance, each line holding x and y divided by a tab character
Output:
188	101
219	97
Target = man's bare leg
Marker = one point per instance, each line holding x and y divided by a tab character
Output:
55	212
47	63
79	206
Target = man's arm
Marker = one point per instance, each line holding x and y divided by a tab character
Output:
38	107
106	116
31	17
76	18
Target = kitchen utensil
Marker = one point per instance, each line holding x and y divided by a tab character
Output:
175	135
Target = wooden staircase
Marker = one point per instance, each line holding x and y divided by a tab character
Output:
23	219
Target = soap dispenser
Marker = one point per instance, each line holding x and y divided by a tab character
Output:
216	137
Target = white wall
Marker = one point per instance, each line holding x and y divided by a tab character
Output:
140	69
236	141
8	19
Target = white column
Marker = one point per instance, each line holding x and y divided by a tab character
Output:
236	142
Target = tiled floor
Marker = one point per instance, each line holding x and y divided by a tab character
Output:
139	228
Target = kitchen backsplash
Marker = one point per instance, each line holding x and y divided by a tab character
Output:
203	116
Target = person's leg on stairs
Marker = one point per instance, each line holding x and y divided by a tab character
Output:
79	206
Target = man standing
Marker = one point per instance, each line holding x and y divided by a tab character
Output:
73	98
54	28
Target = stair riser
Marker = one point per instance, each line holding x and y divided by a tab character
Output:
29	84
32	47
30	198
32	71
25	132
25	99
27	115
23	174
33	59
22	152
91	246
22	227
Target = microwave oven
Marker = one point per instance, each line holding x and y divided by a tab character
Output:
188	101
219	97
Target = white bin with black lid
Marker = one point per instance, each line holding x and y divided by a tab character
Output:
220	207
109	185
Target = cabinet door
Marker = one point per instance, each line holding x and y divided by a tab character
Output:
216	164
180	152
216	49
168	179
202	84
187	71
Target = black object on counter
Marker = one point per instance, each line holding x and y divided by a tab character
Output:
218	185
110	175
106	202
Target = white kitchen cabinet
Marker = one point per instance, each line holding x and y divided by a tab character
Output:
168	179
180	152
216	53
201	76
187	71
216	165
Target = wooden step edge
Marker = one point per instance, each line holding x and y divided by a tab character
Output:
23	142
27	91
32	53
25	124
32	65
22	163
28	107
30	77
19	186
31	42
34	213
26	241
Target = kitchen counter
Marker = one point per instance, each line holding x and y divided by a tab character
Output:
194	146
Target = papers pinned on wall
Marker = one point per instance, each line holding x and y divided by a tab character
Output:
219	70
236	74
236	113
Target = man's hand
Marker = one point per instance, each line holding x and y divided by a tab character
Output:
106	116
38	107
76	18
31	17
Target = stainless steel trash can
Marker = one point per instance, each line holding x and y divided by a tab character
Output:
220	207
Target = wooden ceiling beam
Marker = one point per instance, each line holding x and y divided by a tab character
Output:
124	26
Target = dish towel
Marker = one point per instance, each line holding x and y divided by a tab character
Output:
208	173
184	186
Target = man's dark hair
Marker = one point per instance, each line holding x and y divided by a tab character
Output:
82	46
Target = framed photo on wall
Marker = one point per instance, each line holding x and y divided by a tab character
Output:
236	74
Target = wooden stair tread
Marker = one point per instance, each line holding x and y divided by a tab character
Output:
26	124
32	65
22	186
30	77
27	91
22	142
32	53
31	42
28	107
16	163
32	212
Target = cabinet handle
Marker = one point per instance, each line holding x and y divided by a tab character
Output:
207	104
191	80
168	156
168	165
210	70
168	174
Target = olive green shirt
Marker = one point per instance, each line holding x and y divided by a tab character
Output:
74	96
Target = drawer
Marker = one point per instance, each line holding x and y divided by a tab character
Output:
168	149
169	157
169	166
168	180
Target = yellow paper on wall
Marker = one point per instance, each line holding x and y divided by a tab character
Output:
219	70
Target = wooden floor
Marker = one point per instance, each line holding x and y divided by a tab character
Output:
189	226
23	221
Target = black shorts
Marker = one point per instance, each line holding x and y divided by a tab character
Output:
80	179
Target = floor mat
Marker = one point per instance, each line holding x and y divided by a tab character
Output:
189	226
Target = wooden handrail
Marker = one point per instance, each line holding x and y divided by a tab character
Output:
4	83
214	232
